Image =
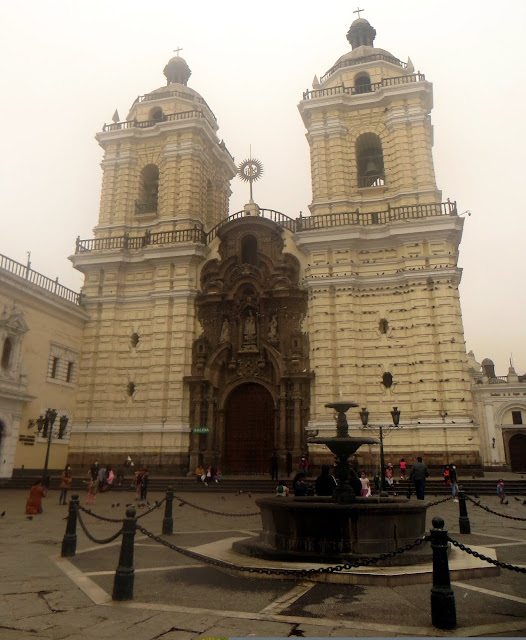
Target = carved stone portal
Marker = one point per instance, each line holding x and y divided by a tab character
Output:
250	373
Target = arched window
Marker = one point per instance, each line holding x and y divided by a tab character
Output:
370	161
387	380
362	83
249	250
156	114
6	353
148	190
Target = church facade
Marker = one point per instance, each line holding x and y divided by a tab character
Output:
219	338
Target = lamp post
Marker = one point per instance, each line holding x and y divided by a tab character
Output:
364	416
51	416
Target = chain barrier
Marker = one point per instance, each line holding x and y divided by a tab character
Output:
496	513
155	506
96	515
282	572
216	513
97	540
433	504
481	556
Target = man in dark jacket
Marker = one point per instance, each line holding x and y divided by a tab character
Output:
419	473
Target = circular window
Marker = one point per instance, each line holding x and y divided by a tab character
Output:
130	389
135	339
387	380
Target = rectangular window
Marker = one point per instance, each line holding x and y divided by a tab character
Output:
54	368
69	372
516	416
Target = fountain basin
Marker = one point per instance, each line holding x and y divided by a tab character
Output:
316	529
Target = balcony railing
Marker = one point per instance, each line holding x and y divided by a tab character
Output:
25	272
371	181
354	61
126	241
307	223
162	95
145	207
144	124
364	88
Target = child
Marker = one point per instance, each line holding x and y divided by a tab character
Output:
403	467
282	490
366	486
500	491
445	473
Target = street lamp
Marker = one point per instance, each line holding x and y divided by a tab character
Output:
51	416
395	415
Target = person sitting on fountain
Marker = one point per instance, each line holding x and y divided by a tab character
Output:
300	488
282	490
366	485
325	483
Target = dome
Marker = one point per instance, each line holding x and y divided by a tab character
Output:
487	361
361	33
177	71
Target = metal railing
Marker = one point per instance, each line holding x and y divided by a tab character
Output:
354	61
48	284
145	124
377	180
364	88
303	223
162	95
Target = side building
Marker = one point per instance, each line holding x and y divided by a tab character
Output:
41	324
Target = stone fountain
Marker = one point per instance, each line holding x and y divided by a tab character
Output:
344	527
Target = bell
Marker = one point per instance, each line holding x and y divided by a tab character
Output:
371	168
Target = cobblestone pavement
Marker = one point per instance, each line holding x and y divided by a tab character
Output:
176	598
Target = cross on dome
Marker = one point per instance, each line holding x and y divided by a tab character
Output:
180	49
358	11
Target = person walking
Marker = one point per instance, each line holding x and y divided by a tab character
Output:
93	486
453	481
65	484
303	465
274	463
34	502
145	477
501	492
403	467
418	475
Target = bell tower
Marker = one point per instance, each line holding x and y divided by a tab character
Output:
369	131
164	168
166	182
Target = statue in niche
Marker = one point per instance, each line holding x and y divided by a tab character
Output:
249	329
273	328
225	331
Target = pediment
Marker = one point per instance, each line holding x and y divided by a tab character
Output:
13	321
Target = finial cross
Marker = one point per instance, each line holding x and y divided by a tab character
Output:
180	49
358	11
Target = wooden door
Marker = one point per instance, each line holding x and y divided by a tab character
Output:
249	429
518	452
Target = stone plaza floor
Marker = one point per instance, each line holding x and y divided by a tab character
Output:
43	596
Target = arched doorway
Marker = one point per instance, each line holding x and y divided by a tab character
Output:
249	429
517	446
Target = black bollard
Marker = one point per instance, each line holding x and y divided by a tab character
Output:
463	519
69	541
443	611
168	521
125	573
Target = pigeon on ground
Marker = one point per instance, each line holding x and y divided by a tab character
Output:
118	504
3	514
112	506
518	499
129	504
524	502
507	502
147	503
475	495
30	517
249	495
473	477
156	503
223	498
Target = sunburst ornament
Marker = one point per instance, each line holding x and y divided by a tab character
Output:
250	170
